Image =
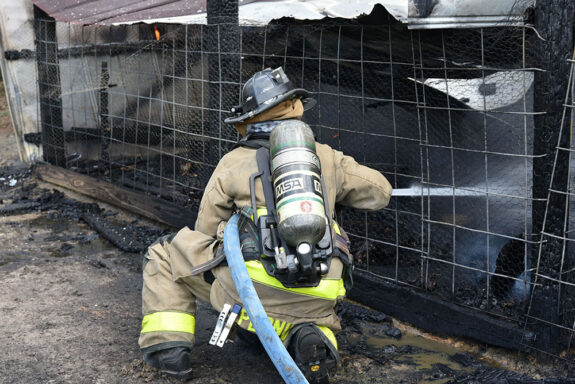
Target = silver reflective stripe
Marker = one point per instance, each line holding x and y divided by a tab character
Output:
295	155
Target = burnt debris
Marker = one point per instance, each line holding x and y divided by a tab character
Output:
128	236
20	194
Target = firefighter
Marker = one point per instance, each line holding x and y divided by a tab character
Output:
185	266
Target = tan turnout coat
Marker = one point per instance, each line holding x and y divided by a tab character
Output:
168	285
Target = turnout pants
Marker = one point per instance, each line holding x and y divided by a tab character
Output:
169	294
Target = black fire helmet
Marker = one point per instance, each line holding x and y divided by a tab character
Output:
263	91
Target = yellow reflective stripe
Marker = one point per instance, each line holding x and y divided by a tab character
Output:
262	211
336	227
328	289
329	334
281	327
169	322
340	288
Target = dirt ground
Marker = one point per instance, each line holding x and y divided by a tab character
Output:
70	308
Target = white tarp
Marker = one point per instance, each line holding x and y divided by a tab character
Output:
262	13
17	32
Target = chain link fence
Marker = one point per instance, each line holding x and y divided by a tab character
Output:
446	115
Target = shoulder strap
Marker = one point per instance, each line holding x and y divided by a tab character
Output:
253	141
263	159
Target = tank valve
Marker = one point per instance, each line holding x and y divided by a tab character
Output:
303	249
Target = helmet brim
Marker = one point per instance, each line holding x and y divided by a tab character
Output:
300	93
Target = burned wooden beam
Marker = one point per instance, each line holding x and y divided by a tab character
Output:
554	20
139	203
17	208
128	238
435	315
91	50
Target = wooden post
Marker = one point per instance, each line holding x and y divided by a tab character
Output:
49	86
104	113
224	67
554	21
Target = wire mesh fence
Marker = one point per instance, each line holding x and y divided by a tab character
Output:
446	115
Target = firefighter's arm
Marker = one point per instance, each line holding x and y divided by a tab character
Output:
358	186
216	206
190	248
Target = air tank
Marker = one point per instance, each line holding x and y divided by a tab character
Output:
296	175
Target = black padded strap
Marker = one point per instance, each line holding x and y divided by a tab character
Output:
263	159
256	140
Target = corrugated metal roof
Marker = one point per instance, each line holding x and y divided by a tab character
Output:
114	11
419	14
251	12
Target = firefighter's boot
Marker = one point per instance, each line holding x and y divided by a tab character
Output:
175	362
311	354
